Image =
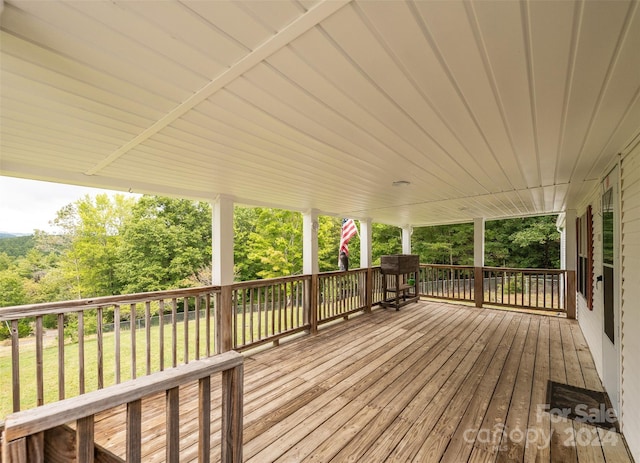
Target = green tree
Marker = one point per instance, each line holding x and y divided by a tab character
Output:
276	243
91	226
245	220
541	240
444	244
163	242
386	240
12	292
16	246
529	242
6	262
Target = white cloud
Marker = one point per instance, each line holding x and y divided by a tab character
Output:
26	205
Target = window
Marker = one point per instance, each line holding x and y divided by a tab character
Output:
584	229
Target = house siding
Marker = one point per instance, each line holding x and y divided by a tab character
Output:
630	300
591	321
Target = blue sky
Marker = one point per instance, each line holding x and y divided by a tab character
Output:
26	205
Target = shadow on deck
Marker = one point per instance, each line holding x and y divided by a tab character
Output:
433	382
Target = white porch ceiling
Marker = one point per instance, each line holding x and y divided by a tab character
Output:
490	108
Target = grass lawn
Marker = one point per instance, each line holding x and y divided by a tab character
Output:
28	389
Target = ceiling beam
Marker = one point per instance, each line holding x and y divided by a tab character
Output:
294	30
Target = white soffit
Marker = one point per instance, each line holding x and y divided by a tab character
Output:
490	109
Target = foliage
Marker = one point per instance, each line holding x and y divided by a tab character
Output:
12	289
112	245
530	242
24	329
163	242
92	226
12	292
16	246
444	244
276	243
386	240
329	231
244	224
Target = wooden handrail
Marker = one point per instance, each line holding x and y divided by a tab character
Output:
269	281
46	308
31	422
550	271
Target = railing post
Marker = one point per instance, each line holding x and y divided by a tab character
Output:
224	319
311	303
478	285
232	394
570	298
369	290
15	365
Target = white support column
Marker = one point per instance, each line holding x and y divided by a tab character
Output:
365	243
570	249
478	242
478	260
406	239
310	242
568	258
222	237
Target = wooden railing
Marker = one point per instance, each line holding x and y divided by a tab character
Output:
200	322
525	288
31	435
377	287
447	282
103	341
544	289
341	294
267	310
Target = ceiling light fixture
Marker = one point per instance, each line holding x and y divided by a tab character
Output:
401	183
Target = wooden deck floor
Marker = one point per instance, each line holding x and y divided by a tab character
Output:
433	382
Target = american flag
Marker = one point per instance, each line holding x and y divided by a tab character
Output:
348	231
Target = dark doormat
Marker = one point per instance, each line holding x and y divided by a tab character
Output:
579	404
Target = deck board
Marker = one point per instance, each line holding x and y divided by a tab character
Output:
427	383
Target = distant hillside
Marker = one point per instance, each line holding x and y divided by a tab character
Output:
12	235
16	246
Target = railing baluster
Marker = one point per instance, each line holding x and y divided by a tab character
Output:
100	341
243	295
207	304
260	313
81	352
290	304
15	364
185	318
161	333
132	327
197	323
251	334
116	327
61	375
147	333
272	291
279	305
39	361
174	332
